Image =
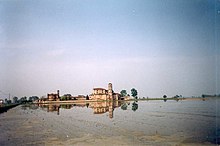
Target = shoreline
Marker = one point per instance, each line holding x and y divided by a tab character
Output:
5	108
146	99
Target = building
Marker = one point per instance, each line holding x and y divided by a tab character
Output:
103	94
54	96
1	102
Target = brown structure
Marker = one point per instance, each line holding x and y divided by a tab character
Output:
104	107
103	94
54	96
79	97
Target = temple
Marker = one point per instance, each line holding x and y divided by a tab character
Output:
54	96
103	94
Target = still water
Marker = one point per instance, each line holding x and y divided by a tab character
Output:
187	122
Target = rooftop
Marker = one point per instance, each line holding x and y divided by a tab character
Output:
99	89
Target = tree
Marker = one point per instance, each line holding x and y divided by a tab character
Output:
23	99
164	96
6	100
33	98
15	99
87	97
134	93
177	96
123	93
63	98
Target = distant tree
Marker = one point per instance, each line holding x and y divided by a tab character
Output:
203	96
164	96
87	97
33	98
177	96
6	100
15	99
63	98
134	93
123	93
23	99
9	101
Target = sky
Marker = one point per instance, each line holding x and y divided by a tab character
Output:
155	46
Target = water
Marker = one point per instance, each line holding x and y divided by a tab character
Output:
187	122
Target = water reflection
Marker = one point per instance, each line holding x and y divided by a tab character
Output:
134	106
103	107
156	120
29	106
97	107
124	106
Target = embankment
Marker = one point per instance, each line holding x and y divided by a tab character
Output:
5	108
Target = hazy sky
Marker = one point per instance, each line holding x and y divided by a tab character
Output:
156	46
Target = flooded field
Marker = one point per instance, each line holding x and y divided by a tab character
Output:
187	122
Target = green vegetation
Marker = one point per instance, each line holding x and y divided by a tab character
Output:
62	98
15	99
134	93
164	96
123	93
33	98
7	101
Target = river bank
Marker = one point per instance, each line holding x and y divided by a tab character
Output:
5	108
140	99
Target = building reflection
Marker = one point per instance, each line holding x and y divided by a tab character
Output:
98	107
50	107
53	108
104	107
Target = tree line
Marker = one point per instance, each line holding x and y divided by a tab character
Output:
134	93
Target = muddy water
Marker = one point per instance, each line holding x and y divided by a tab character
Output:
188	122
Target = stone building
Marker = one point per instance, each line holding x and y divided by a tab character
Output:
54	96
103	94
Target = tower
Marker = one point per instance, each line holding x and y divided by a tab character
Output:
110	91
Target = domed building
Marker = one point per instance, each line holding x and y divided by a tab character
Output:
104	94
